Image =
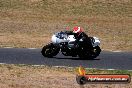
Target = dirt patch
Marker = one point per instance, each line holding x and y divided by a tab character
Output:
20	76
30	23
114	33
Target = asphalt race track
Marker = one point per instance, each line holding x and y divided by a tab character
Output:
106	60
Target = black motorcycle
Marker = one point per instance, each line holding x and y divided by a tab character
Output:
64	42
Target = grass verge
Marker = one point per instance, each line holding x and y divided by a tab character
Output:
29	76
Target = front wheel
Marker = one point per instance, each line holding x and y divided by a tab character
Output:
95	52
50	50
90	54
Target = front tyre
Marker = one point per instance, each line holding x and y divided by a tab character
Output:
95	52
50	50
90	54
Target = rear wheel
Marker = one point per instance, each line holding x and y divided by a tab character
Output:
50	50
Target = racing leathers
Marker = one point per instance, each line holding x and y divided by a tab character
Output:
86	40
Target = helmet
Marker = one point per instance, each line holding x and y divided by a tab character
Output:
77	29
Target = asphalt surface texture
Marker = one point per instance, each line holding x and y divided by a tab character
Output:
106	60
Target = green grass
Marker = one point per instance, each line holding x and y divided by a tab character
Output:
98	71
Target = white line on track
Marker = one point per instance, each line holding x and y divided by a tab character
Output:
23	48
2	63
86	68
8	47
69	67
117	51
32	48
111	50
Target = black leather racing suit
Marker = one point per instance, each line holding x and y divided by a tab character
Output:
86	40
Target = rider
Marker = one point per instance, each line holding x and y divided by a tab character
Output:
79	34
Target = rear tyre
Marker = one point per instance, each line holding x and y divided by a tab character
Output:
50	50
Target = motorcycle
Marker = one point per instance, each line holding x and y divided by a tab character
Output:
64	42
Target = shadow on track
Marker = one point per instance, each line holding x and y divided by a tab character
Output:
75	58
